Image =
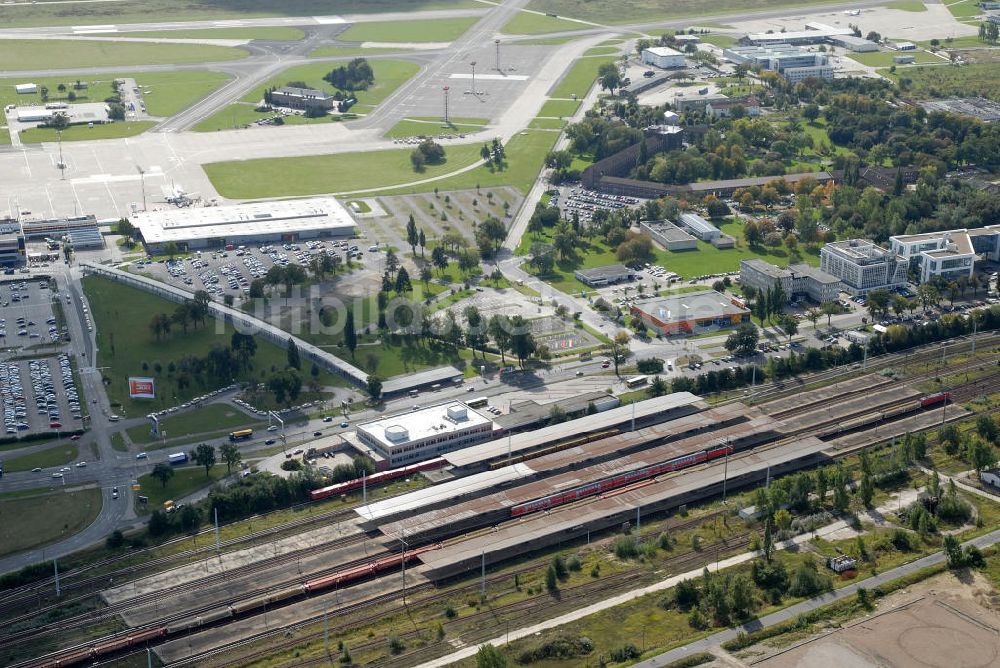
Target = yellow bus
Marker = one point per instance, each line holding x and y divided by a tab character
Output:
241	435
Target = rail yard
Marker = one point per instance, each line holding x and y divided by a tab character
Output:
496	507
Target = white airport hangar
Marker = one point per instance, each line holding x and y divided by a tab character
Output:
243	224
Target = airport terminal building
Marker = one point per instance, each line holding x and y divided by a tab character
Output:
240	224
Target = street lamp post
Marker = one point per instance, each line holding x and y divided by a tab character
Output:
473	63
497	42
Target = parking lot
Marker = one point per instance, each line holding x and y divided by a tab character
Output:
39	395
230	272
585	202
26	316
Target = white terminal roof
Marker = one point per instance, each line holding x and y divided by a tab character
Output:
397	431
664	51
244	220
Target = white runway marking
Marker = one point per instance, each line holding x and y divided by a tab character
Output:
328	20
104	28
490	77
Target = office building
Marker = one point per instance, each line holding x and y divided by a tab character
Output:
698	226
814	33
862	266
690	312
302	98
853	43
663	57
793	63
262	222
597	277
412	437
763	276
798	280
668	236
12	250
947	255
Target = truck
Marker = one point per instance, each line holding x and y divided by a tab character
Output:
177	458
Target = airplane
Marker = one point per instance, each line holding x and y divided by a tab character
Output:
853	12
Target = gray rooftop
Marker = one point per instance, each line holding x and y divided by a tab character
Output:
765	268
607	271
414	380
814	273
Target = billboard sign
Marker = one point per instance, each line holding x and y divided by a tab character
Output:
141	388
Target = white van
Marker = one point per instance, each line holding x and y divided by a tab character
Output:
114	418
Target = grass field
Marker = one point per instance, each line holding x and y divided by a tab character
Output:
907	5
170	92
964	42
118	442
963	9
707	259
526	23
436	30
547	41
35	54
965	81
241	114
213	417
580	77
559	108
722	41
276	34
121	315
525	154
342	172
59	455
414	128
389	75
115	130
31	522
547	124
602	51
187	479
884	58
142	11
636	11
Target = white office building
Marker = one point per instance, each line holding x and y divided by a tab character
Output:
863	266
412	437
791	62
948	254
663	57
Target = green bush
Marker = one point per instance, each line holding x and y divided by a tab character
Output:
626	548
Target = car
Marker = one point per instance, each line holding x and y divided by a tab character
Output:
469	388
317	433
579	373
75	437
343	425
297	452
114	493
269	441
328	419
57	475
141	455
81	465
65	469
273	427
36	470
605	365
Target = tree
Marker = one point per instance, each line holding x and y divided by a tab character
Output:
230	455
293	354
981	455
522	343
475	336
928	295
499	329
59	121
489	656
812	315
412	235
163	472
619	348
609	77
204	455
439	258
374	387
789	326
953	549
492	229
743	341
403	284
810	112
830	309
551	581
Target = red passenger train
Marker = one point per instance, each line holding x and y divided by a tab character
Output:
929	400
376	478
620	480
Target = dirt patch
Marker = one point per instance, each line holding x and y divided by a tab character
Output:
943	622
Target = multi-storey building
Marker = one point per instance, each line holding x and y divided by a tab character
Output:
863	266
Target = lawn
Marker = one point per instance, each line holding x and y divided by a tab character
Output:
707	259
965	81
342	172
30	522
434	30
528	23
186	480
578	80
559	108
409	127
143	11
639	11
907	5
36	54
115	130
124	342
276	34
963	9
389	75
526	153
547	41
964	42
602	51
118	442
242	114
335	51
210	418
884	58
548	124
722	41
60	455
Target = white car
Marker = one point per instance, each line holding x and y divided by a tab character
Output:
57	475
273	427
80	465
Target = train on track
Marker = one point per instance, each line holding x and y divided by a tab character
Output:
375	479
621	480
890	413
142	638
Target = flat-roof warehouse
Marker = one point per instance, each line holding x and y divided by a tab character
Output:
216	226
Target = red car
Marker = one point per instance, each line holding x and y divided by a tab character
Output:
55	425
75	437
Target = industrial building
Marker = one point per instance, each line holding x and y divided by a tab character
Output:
796	280
411	437
947	254
79	231
815	33
12	251
302	98
863	266
982	108
597	277
793	63
262	222
26	88
724	108
668	236
687	313
853	43
698	226
663	57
